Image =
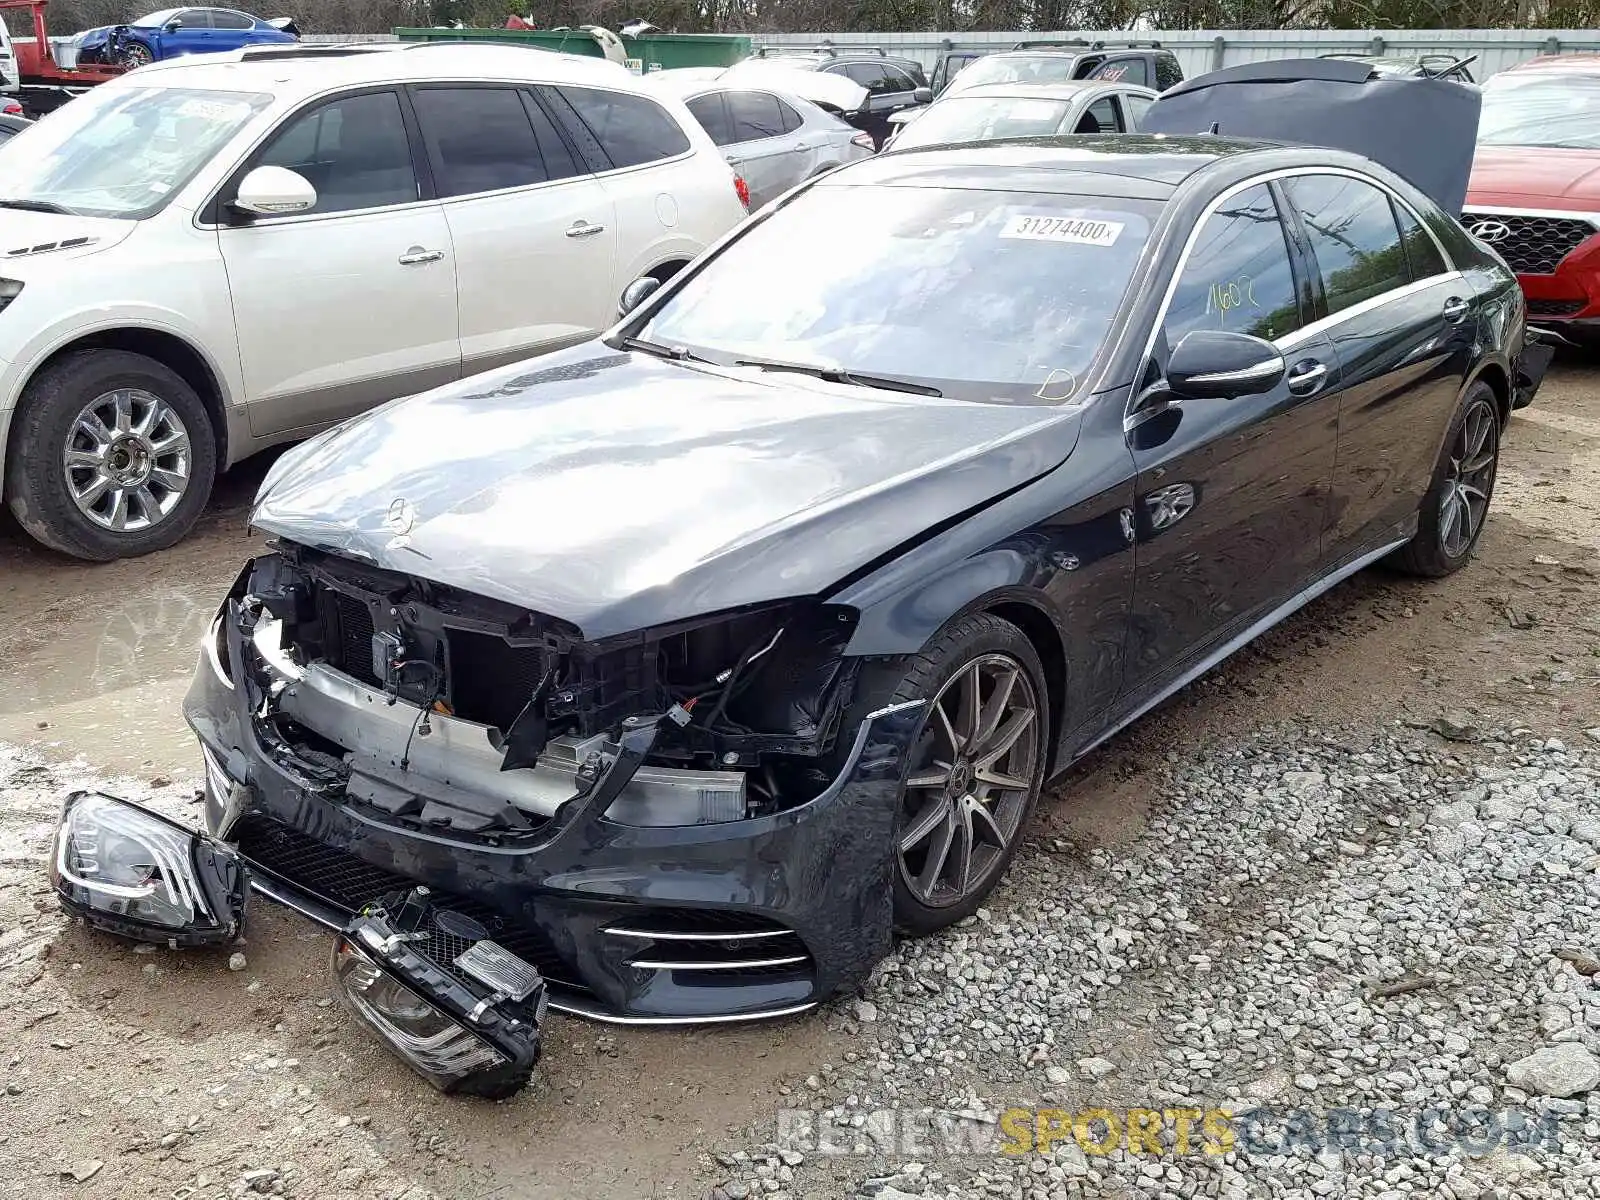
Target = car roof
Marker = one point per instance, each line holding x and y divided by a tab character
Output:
1110	165
1065	89
1570	64
309	70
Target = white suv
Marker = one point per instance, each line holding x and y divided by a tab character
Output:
209	256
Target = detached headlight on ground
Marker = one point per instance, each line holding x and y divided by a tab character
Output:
130	871
473	1029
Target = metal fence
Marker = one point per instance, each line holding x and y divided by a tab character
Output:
1201	50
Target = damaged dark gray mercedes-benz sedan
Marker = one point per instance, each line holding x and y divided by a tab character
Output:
690	664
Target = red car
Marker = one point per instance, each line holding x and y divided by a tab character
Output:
1535	189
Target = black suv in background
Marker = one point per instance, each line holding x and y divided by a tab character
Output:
893	84
1137	62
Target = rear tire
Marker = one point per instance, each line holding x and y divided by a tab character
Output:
953	801
1456	507
111	455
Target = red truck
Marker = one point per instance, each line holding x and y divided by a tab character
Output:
45	84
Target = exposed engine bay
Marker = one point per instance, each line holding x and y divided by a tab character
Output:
432	708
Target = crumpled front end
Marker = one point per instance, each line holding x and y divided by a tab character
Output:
684	824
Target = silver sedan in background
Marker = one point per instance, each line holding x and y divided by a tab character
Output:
1008	110
773	137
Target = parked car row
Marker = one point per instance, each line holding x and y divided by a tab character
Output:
212	255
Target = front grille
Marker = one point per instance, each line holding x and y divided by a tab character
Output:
490	680
1555	308
348	883
1531	245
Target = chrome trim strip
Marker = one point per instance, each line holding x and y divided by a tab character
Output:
1267	177
1322	324
787	960
1259	371
269	888
695	937
1296	602
573	1009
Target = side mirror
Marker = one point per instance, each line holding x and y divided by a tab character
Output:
274	192
922	96
636	293
172	26
1212	364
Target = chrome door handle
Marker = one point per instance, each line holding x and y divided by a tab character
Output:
584	229
1306	377
1455	309
418	255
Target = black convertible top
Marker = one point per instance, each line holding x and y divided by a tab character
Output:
1422	129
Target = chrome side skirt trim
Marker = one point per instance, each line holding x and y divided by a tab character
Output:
1295	603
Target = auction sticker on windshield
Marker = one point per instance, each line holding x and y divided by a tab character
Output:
1077	230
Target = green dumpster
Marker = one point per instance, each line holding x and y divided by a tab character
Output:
654	51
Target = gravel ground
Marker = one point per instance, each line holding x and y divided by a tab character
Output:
1238	956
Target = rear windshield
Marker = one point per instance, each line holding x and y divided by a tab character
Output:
985	118
1541	109
982	295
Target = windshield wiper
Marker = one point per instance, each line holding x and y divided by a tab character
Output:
676	353
887	383
44	206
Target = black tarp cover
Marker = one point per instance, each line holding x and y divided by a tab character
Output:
1423	130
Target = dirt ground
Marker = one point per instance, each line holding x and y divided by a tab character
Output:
160	1074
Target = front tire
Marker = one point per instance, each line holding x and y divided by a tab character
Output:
111	455
974	770
1456	507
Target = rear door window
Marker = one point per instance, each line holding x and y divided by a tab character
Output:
1168	72
1422	253
222	18
631	130
1353	236
755	115
711	110
479	139
355	152
1239	276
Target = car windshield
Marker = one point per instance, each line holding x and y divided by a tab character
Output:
152	20
1017	68
122	151
973	294
985	118
1541	109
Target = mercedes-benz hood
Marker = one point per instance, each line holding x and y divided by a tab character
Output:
618	491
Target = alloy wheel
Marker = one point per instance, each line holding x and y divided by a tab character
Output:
127	460
136	55
970	780
1469	479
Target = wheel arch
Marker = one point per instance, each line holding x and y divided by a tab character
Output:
1030	615
171	351
1498	377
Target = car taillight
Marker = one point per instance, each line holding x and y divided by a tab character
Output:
864	140
743	188
12	109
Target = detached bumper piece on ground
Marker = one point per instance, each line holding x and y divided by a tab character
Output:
461	1010
131	872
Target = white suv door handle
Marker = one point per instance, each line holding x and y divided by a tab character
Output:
418	255
584	229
